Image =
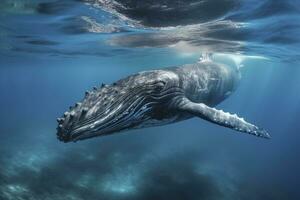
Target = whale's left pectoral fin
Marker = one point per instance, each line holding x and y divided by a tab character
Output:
221	118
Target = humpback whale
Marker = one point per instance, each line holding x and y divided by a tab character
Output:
154	98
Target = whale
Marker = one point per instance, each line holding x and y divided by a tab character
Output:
155	98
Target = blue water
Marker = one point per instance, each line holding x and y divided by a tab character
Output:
52	51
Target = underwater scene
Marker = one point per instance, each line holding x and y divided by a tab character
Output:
235	98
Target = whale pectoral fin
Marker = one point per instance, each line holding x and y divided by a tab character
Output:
221	118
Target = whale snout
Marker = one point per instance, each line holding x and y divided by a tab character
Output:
63	136
67	122
62	133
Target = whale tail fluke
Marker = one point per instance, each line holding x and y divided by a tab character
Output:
222	118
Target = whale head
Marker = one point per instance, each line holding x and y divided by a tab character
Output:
126	104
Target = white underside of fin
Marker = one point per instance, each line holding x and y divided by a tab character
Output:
222	118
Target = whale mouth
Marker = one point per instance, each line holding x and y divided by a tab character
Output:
118	119
69	134
64	135
75	136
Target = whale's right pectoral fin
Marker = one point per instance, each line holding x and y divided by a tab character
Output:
221	118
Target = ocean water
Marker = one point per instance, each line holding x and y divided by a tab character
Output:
51	51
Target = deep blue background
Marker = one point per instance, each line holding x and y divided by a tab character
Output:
192	159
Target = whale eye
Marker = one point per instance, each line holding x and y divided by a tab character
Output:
160	85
